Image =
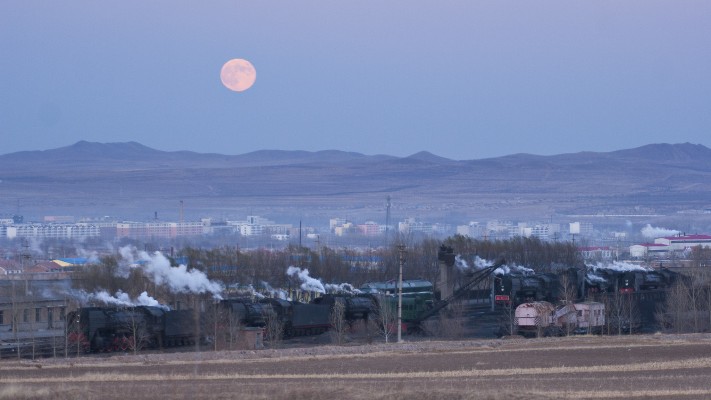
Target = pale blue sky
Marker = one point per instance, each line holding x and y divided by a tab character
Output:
462	79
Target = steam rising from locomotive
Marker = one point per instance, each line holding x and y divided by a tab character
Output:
123	299
179	279
307	282
311	284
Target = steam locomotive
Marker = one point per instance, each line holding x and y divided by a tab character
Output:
521	287
610	281
115	329
105	329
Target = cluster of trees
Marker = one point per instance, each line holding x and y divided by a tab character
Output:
378	264
687	307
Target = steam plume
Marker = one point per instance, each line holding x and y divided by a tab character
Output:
506	269
120	299
179	279
341	288
619	266
277	293
307	283
479	263
652	232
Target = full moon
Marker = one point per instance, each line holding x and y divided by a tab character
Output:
238	75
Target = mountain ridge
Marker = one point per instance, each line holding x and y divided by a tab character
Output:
98	178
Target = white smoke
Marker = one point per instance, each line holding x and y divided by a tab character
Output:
479	263
652	232
595	278
276	293
506	269
121	299
619	266
341	288
179	279
35	245
461	263
502	270
307	283
92	256
245	290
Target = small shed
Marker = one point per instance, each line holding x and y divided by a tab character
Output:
251	338
591	315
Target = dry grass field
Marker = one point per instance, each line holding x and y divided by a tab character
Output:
584	367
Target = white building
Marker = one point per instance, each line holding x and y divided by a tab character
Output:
50	231
648	250
683	242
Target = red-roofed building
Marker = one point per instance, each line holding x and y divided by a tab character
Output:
683	242
10	267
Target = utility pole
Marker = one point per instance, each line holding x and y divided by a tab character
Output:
387	222
401	254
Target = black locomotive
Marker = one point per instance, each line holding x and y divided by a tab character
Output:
523	287
609	281
115	329
105	329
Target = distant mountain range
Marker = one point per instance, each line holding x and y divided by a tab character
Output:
130	180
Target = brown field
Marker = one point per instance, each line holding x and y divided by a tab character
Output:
584	367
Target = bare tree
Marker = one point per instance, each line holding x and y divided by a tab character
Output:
676	307
338	321
386	317
138	335
224	326
273	329
75	341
